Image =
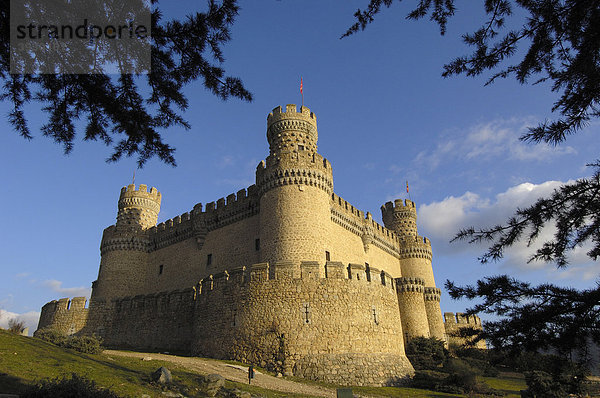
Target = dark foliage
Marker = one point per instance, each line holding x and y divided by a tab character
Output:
455	377
534	317
542	384
426	353
50	335
85	344
74	387
127	111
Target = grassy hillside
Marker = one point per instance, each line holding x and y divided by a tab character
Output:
25	360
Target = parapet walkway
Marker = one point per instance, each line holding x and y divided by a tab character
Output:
207	366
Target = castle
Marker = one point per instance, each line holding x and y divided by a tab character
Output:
284	274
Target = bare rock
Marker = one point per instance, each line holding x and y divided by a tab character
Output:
162	375
211	384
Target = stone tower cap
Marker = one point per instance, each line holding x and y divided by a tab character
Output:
291	112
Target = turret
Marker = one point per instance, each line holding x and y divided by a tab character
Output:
415	258
400	217
412	307
295	185
138	209
124	247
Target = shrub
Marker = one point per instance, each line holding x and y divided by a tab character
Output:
428	379
51	335
541	384
74	387
16	326
85	344
426	353
461	375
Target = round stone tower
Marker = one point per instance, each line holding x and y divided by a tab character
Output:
415	263
124	247
138	209
295	185
412	307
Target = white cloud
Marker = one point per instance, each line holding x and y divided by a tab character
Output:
442	220
56	286
498	139
30	318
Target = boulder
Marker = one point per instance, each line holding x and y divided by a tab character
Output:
211	384
162	375
236	393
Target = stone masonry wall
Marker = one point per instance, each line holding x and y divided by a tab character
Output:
453	323
305	325
66	316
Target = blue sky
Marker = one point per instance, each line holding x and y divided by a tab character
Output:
385	115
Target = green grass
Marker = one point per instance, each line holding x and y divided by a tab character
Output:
401	392
511	385
26	360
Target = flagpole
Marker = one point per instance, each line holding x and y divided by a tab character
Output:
302	90
407	191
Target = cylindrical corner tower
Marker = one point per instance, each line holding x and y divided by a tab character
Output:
434	314
295	186
412	307
124	247
400	217
138	209
415	258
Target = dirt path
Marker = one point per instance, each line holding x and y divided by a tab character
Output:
233	373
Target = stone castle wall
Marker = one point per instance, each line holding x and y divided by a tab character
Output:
286	317
182	285
454	322
64	315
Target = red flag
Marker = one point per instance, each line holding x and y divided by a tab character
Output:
301	85
406	186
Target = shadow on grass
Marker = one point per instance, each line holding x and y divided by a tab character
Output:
12	385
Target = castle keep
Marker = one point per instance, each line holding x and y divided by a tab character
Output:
284	274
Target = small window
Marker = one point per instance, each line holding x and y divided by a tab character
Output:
209	260
257	244
300	147
160	269
327	256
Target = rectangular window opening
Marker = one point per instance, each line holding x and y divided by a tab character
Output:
327	256
257	244
209	260
160	269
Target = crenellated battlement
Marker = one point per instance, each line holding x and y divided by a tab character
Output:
400	216
130	191
461	319
68	316
259	273
291	133
291	112
138	208
358	219
456	324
